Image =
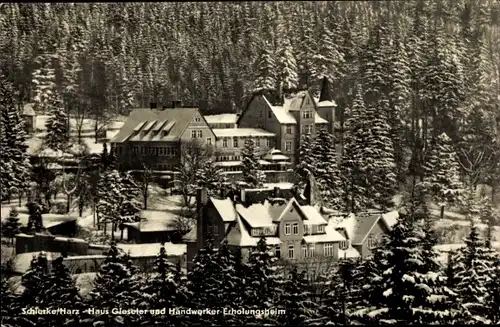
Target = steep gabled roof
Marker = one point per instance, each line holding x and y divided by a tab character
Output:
175	122
225	208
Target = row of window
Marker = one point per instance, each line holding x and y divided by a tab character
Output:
225	142
157	151
306	129
197	134
293	228
228	158
213	229
267	231
308	251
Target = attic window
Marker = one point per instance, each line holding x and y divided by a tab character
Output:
321	228
197	119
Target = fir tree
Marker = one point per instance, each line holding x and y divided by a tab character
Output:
11	308
300	309
493	295
129	206
211	177
472	273
11	226
287	67
57	137
163	290
305	160
14	165
442	177
115	286
328	60
326	169
35	221
59	291
33	281
253	175
108	191
266	70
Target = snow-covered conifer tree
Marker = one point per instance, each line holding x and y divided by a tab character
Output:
11	226
305	161
15	167
115	286
442	175
326	169
129	206
35	221
266	70
57	137
473	272
253	175
109	195
211	177
296	300
287	66
33	280
328	59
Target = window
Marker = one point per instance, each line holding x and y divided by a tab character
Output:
304	250
306	229
269	114
224	142
197	119
257	141
277	252
291	252
193	134
287	229
288	146
200	134
307	114
255	232
209	141
328	248
288	129
321	228
268	143
306	129
312	250
372	242
160	151
216	230
235	142
344	245
295	229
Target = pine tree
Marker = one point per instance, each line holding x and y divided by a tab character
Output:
33	281
263	280
163	290
300	309
11	307
442	177
57	137
211	177
35	221
15	167
11	226
286	67
44	78
108	191
115	286
493	295
253	175
266	70
326	169
129	205
59	291
305	162
473	272
328	60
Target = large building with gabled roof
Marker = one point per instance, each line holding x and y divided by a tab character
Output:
296	115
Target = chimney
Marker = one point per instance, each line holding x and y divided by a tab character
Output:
152	105
176	104
201	200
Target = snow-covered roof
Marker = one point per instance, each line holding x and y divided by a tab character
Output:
349	253
238	235
49	219
258	215
313	217
225	208
330	235
264	162
364	225
326	104
391	218
241	132
153	249
319	120
275	155
228	163
348	224
28	109
155	221
21	262
222	119
283	116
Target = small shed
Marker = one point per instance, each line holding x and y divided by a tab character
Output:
156	226
29	116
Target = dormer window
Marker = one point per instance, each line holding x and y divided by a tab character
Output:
321	228
344	245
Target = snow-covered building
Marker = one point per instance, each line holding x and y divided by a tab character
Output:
296	115
296	232
155	226
362	232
